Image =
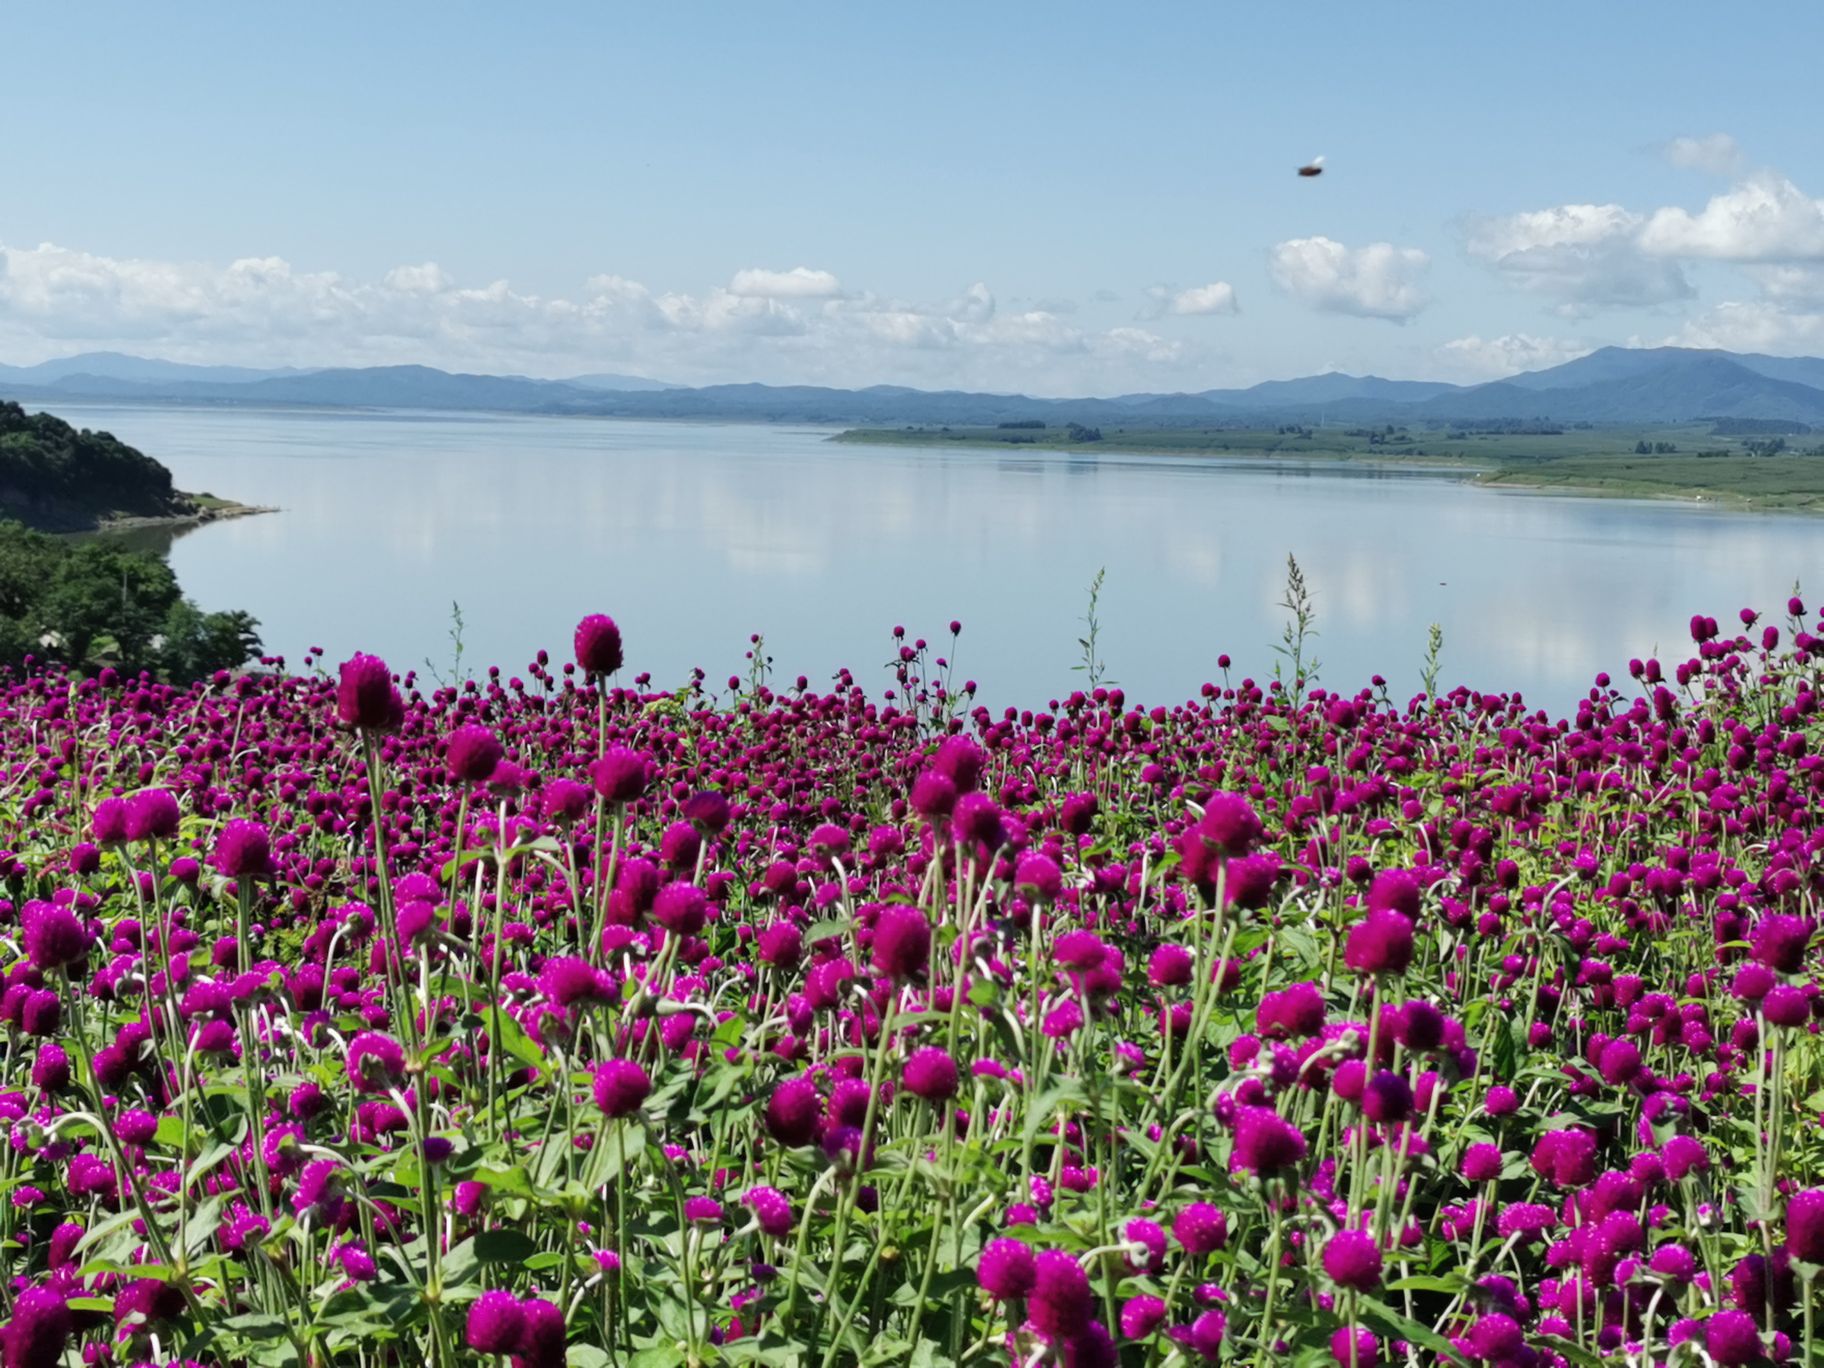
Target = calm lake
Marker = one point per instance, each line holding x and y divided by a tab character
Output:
696	536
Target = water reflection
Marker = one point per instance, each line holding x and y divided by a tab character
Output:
696	536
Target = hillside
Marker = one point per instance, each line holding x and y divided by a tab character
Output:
61	479
1612	385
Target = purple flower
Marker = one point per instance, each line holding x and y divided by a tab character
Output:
365	696
1381	943
598	645
1140	1316
1395	890
1006	1269
772	1210
931	1074
109	824
681	908
473	754
902	942
1201	1229
1038	878
496	1323
1061	1300
620	775
1732	1338
541	1340
152	815
566	980
1228	825
39	1331
1496	1337
1352	1259
243	850
1805	1225
621	1086
375	1062
1206	1335
1265	1143
55	937
792	1112
1779	942
1482	1163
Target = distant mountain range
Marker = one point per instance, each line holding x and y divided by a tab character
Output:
1613	385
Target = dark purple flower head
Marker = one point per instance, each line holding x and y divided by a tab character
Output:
1352	1259
55	937
1732	1338
620	775
1201	1229
934	795
1006	1269
495	1323
243	850
109	824
931	1074
1206	1334
1061	1300
1496	1337
567	979
365	696
1228	825
1395	890
1265	1143
1805	1225
1354	1348
1141	1315
473	755
681	908
1381	943
152	815
710	812
375	1062
621	1086
564	800
961	761
901	946
792	1112
541	1339
1387	1098
598	645
772	1210
978	821
39	1331
1038	878
1780	941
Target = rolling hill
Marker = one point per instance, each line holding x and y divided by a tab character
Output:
1611	385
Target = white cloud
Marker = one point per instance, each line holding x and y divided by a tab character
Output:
1717	153
1788	286
1753	326
798	283
1763	218
1376	281
794	326
1583	255
1495	357
1218	297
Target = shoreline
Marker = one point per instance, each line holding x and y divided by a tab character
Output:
1493	476
221	512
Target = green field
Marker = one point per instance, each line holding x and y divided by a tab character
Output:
1686	461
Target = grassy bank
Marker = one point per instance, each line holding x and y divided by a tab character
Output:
1689	461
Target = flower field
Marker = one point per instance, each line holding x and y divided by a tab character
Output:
356	1021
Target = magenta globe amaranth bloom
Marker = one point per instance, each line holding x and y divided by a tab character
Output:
1805	1225
619	775
621	1086
1352	1259
473	755
496	1322
39	1330
365	697
1007	1269
1201	1229
792	1112
931	1074
1381	943
1061	1299
375	1062
1265	1143
55	937
1733	1338
598	645
243	850
901	946
152	815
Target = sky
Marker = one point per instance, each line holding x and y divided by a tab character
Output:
1055	198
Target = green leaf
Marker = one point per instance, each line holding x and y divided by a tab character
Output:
512	1038
503	1246
1408	1329
823	930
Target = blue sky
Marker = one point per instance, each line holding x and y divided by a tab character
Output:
1058	198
